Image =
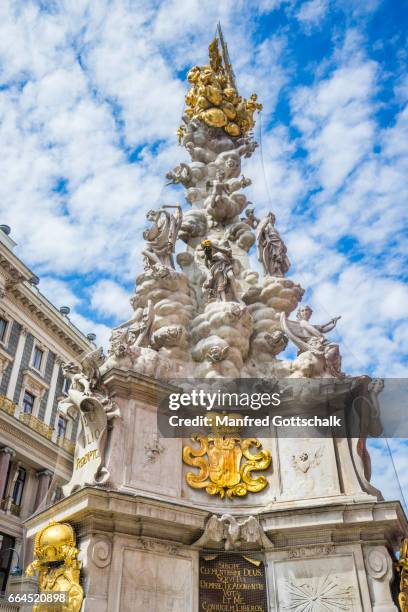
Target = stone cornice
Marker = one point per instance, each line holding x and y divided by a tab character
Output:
16	271
36	305
47	316
12	525
93	509
384	520
34	381
133	384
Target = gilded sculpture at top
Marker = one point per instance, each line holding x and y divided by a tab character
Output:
213	96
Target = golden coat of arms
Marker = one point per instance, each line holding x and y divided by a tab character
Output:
221	467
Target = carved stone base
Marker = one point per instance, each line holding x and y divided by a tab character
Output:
140	553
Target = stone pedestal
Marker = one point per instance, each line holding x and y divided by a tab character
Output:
138	553
326	540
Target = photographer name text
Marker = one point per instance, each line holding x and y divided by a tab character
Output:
249	421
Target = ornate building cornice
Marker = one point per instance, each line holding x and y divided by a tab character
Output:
28	298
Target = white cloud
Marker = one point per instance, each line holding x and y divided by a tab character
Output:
110	299
58	292
86	325
386	478
335	118
312	13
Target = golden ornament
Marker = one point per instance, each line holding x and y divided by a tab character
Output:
57	566
402	568
213	97
222	470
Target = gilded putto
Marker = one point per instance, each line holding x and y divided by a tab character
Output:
57	566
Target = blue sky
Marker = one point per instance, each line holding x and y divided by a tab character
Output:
91	94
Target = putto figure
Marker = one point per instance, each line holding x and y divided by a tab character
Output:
161	236
58	567
135	332
250	218
310	339
221	283
223	202
272	251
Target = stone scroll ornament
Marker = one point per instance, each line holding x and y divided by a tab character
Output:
88	400
58	567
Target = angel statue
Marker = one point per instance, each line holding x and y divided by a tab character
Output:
271	248
219	189
223	202
310	339
135	332
180	175
88	398
221	283
161	236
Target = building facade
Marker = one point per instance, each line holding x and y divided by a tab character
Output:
36	442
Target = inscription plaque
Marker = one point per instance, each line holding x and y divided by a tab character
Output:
232	583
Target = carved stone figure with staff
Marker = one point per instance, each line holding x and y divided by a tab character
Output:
161	236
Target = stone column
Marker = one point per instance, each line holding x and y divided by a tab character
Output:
17	363
17	558
52	389
44	481
29	493
6	454
10	485
27	552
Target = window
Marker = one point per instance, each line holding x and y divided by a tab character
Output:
66	386
37	358
61	426
3	329
6	544
28	402
19	486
